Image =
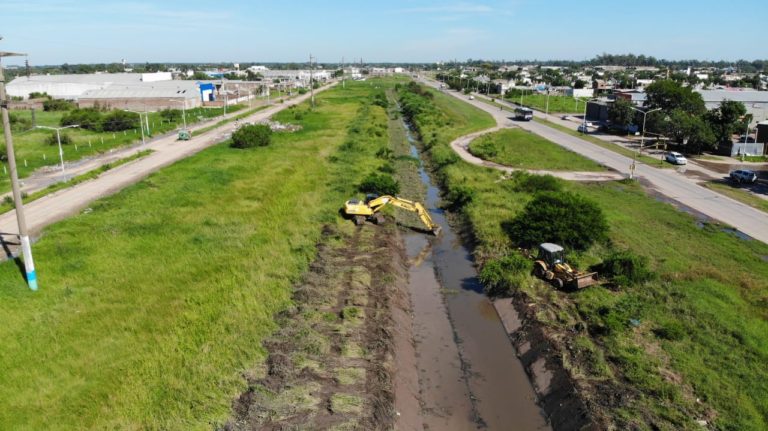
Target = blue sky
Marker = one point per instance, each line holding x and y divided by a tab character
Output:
87	31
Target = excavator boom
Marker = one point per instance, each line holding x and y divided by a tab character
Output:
378	203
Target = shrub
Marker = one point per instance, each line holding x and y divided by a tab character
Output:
380	99
387	168
171	115
460	196
530	183
86	118
57	105
117	121
252	135
302	90
499	275
38	95
565	218
671	330
380	184
443	156
52	139
625	268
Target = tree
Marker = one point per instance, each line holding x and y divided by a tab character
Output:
669	95
252	135
689	130
579	84
620	113
117	121
726	119
565	218
380	184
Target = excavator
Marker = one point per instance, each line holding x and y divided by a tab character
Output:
370	208
551	266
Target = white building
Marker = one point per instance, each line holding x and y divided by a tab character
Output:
73	85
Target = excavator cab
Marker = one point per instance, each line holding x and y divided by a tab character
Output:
552	254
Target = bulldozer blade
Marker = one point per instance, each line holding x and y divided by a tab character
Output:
586	280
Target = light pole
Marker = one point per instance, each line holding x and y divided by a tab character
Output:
58	140
642	139
546	110
141	125
26	247
184	110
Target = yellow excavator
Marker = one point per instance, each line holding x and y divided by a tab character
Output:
551	266
369	209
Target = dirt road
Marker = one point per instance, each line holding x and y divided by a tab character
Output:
168	150
670	183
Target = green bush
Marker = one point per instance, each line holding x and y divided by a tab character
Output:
86	118
117	121
624	268
565	218
531	183
252	135
460	196
380	184
171	115
38	95
52	139
443	156
500	276
671	330
57	105
303	90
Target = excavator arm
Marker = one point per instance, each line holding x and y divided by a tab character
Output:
380	202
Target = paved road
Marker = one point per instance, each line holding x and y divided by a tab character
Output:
666	181
168	150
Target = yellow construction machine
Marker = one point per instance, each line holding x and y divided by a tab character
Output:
370	209
551	266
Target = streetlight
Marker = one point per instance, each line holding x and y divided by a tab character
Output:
26	247
642	139
141	125
183	110
58	139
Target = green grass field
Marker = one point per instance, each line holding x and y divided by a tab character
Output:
700	331
33	152
557	104
525	150
153	305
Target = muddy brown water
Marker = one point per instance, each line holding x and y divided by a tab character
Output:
469	373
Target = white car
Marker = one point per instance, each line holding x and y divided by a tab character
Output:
676	158
471	97
583	128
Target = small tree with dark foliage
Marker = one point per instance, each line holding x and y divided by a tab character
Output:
565	218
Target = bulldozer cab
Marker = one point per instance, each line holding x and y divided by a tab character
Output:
552	254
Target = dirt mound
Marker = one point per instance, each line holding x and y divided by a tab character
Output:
330	365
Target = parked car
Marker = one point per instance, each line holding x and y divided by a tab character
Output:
471	97
743	176
564	117
676	158
583	128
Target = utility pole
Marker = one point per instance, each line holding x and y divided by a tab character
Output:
343	83
311	82
26	247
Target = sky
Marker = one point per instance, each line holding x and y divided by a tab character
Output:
88	31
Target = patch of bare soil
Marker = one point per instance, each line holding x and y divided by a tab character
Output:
331	363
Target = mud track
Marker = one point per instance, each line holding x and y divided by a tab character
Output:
331	365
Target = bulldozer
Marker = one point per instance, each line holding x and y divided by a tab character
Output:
551	266
370	210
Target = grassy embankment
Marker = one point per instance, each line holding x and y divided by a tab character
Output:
738	194
525	150
33	151
154	303
648	352
557	104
